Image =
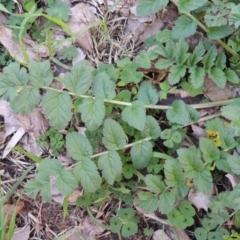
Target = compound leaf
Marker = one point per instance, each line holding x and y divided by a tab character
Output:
166	202
80	78
26	100
196	76
111	166
50	166
218	76
141	154
135	115
66	183
178	113
103	87
40	74
87	172
113	135
148	94
57	108
78	146
184	27
147	201
147	7
151	128
59	9
209	57
176	73
93	112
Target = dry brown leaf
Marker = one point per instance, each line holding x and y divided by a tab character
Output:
233	179
172	235
198	199
81	17
8	210
198	131
160	234
80	56
74	196
22	234
214	93
32	48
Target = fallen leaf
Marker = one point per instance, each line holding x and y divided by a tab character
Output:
160	234
215	93
8	210
233	179
80	56
81	17
74	196
198	131
198	199
22	234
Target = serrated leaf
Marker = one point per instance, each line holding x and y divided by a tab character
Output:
141	154
190	161
209	151
186	6
181	54
135	115
218	76
148	94
176	73
164	63
147	7
40	73
26	100
197	54
219	32
7	89
151	128
113	135
196	77
147	201
209	57
57	108
232	111
163	36
111	166
50	166
178	113
234	163
80	78
66	183
59	9
103	87
203	181
87	172
78	146
194	115
221	61
231	76
154	183
144	59
184	27
93	112
166	202
173	173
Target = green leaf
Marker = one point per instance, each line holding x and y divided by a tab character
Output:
209	58
221	61
197	54
232	111
93	112
87	172
103	87
69	53
209	150
147	201
59	9
129	228
26	100
151	128
154	183
219	32
144	59
201	234
135	115
203	181
186	6
197	76
218	76
190	161
7	89
148	94
163	36
194	115
40	73
166	202
181	54
147	7
141	154
176	73
66	183
57	108
78	146
231	76
178	113
80	78
164	63
50	166
111	166
113	135
115	224
173	173
234	163
130	74
184	27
